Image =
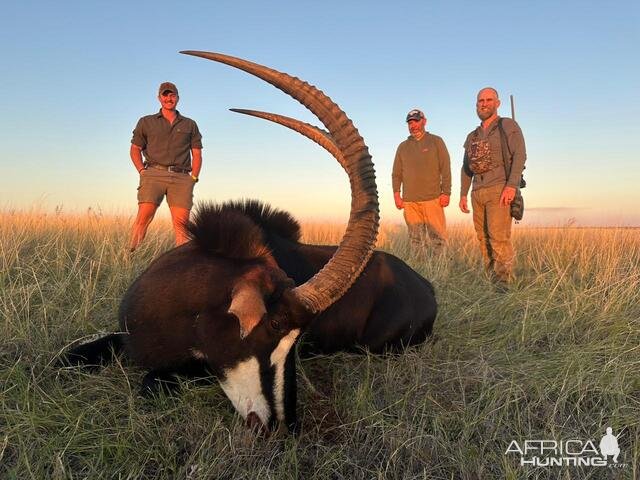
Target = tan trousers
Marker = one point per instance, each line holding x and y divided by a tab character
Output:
426	224
492	222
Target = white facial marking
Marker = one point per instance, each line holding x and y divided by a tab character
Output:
278	358
242	386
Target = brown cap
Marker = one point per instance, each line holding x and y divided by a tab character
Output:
167	87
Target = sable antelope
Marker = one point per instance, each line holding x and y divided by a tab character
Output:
389	306
221	301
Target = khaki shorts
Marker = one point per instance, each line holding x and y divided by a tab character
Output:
155	184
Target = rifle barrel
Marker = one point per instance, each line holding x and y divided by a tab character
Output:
513	110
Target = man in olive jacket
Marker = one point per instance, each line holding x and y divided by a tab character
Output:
422	168
483	168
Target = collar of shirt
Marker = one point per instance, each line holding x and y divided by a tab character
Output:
422	138
482	133
493	125
159	114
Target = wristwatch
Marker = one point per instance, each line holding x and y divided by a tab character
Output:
194	178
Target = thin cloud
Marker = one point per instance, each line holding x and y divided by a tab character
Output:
556	209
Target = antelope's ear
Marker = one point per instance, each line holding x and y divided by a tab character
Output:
247	303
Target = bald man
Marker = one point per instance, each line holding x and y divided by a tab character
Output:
492	192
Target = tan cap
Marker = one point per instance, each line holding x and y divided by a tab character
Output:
167	87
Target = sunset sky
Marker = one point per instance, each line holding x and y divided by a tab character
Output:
76	77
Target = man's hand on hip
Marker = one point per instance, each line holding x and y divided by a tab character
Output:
444	200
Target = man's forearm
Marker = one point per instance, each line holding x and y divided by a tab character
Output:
445	168
196	162
517	167
136	157
517	146
465	183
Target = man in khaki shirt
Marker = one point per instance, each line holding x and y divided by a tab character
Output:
422	170
172	149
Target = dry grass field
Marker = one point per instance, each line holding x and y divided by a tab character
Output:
556	357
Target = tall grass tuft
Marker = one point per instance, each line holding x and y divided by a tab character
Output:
556	357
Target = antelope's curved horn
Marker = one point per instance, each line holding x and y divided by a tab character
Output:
319	136
353	253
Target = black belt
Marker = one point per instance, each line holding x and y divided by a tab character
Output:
168	168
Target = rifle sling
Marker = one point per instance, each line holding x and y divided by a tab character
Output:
507	159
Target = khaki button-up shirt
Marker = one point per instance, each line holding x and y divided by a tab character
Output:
165	143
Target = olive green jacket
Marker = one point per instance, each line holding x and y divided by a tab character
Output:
422	168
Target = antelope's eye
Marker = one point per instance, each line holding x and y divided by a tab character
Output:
275	323
279	323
